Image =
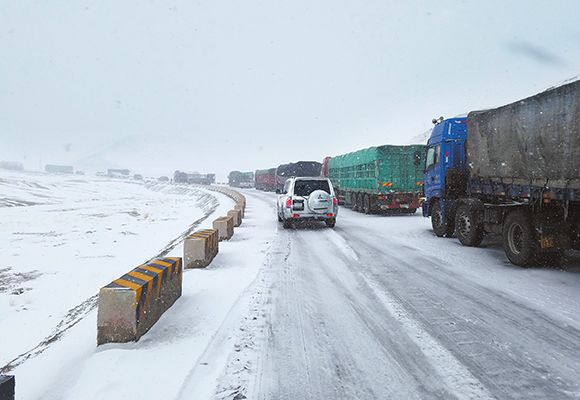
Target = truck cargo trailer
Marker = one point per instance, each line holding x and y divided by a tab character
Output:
513	170
265	179
241	179
379	178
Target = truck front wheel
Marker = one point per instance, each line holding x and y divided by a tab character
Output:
468	227
519	241
440	226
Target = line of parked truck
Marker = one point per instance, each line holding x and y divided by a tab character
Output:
369	180
512	171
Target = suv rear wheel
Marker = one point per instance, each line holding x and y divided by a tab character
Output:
331	222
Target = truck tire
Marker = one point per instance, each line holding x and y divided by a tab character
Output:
440	228
287	224
468	227
354	201
358	202
366	204
519	241
331	222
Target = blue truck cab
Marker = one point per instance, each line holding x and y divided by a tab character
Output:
445	151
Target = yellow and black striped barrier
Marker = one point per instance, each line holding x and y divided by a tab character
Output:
200	248
130	305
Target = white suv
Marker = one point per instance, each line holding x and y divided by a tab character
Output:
306	199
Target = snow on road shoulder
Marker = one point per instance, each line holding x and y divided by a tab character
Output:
187	350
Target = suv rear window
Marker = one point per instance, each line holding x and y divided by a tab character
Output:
305	187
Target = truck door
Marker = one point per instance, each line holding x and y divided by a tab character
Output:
433	172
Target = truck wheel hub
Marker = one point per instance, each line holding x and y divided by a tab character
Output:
515	238
464	225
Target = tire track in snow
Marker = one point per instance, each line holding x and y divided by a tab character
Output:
82	310
338	297
456	376
493	336
329	346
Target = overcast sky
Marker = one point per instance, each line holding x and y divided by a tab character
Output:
218	85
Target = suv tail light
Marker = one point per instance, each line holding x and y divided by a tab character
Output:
334	201
288	202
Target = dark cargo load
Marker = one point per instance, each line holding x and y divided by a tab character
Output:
297	169
534	141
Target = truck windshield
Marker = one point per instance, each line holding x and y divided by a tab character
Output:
305	187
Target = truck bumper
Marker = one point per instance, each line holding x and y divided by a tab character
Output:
398	201
308	216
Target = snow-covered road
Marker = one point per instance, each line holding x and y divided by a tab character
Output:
377	308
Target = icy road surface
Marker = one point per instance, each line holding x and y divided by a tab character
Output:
377	308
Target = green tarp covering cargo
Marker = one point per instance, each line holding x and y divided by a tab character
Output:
380	178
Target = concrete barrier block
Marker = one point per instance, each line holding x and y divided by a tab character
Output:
200	248
129	306
225	227
241	209
7	387
237	216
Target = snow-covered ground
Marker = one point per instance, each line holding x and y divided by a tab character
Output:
64	237
377	308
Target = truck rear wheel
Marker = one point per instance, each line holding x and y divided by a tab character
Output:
519	241
359	202
354	204
366	208
468	227
441	228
